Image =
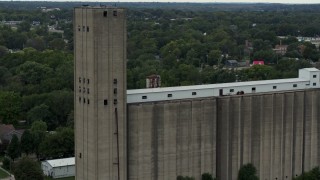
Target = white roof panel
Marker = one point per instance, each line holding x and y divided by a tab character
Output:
312	69
61	162
211	86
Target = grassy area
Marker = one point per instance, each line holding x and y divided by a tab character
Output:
67	178
3	174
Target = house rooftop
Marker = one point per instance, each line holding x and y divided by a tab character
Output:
61	162
4	129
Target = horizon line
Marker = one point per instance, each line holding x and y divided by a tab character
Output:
192	2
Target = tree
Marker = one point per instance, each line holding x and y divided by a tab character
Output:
38	131
39	113
57	44
58	144
37	43
248	172
313	174
187	75
61	104
27	169
15	40
3	51
14	148
258	72
32	72
10	106
27	142
24	27
38	127
185	178
214	57
259	45
6	163
310	52
4	75
70	120
206	176
268	56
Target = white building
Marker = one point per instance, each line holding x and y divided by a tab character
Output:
308	78
59	168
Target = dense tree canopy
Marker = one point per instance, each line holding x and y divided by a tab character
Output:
26	169
27	142
39	132
14	148
59	144
10	106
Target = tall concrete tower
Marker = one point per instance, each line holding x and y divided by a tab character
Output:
100	93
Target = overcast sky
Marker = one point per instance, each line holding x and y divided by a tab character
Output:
225	1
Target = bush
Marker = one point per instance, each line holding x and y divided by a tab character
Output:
206	176
6	163
185	178
248	172
313	174
26	168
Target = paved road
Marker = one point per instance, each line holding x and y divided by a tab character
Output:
8	178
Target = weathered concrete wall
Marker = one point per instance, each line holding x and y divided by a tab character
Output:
281	130
167	139
276	132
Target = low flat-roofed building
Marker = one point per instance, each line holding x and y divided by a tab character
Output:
59	168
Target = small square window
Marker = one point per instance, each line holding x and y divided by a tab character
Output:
194	93
115	91
295	85
169	95
231	90
88	101
314	76
253	89
87	28
105	102
115	13
83	28
79	88
115	81
79	28
144	97
88	81
79	79
80	99
274	87
314	84
80	155
115	101
88	91
84	100
84	90
105	13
